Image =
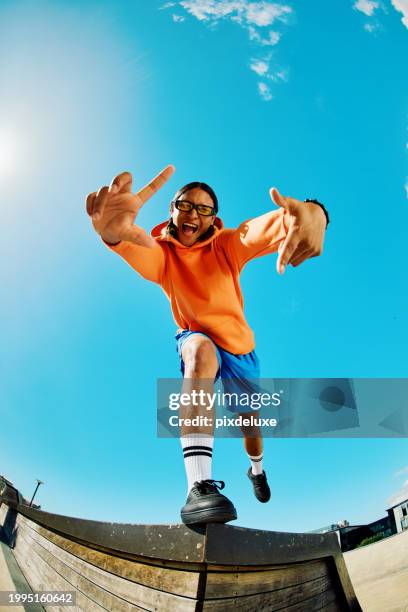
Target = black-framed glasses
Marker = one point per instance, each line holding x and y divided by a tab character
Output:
202	209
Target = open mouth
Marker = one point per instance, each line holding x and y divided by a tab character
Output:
189	228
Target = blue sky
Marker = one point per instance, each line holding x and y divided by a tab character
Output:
309	97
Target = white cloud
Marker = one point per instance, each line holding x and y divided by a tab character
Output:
367	7
264	92
371	27
402	7
273	37
211	9
400	495
403	470
167	5
254	17
264	13
243	11
280	75
260	67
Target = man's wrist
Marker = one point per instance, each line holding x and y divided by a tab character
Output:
326	214
110	243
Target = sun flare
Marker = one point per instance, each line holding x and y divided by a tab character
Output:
8	151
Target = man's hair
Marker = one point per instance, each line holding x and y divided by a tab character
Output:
198	185
172	229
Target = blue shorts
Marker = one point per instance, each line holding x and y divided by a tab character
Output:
239	373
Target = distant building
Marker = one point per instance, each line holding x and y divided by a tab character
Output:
398	515
350	536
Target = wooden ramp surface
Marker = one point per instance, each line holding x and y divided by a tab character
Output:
379	572
114	566
6	579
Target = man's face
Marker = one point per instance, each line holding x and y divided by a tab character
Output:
191	225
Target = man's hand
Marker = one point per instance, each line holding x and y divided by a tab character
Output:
307	226
113	209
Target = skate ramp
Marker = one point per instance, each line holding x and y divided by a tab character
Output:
115	566
379	573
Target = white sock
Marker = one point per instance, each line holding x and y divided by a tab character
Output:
197	451
256	464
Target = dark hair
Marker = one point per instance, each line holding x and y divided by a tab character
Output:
198	185
172	229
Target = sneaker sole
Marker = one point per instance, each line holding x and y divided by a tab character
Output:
214	515
263	500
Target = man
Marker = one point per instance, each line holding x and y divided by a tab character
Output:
197	263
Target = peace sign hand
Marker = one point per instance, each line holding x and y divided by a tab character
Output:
114	209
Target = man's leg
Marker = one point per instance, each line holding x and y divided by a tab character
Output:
200	368
204	502
240	374
254	449
253	444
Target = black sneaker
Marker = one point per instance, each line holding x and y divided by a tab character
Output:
205	504
261	488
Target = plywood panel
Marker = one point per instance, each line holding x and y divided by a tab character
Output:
47	576
234	568
321	602
275	599
106	589
178	582
43	577
246	583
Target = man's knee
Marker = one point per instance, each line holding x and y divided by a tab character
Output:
200	358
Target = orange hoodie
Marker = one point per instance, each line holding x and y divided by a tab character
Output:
202	281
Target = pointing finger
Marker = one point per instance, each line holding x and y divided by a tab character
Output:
151	188
285	253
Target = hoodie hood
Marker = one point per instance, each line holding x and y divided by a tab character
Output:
160	234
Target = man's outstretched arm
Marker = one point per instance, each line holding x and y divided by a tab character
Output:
113	210
147	261
296	230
